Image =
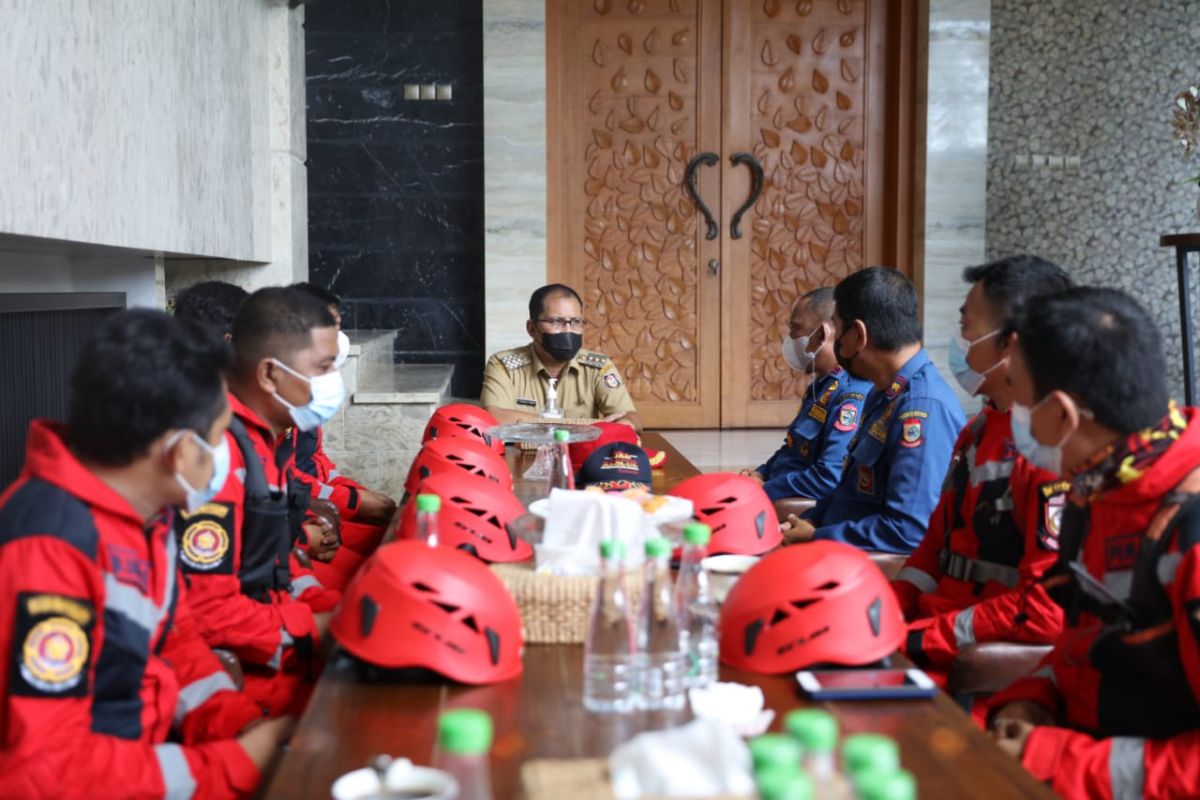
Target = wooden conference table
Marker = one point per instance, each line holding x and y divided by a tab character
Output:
541	715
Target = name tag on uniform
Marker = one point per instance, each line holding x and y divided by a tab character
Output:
525	401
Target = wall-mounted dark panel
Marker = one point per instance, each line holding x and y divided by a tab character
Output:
395	186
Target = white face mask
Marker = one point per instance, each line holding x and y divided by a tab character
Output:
1039	455
343	350
195	498
795	351
327	392
968	378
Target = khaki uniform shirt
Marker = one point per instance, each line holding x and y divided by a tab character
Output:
590	386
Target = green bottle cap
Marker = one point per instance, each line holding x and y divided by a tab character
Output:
465	731
611	548
863	752
561	435
783	783
774	750
658	547
815	729
429	502
886	785
697	533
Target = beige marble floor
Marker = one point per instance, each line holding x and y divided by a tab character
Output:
727	450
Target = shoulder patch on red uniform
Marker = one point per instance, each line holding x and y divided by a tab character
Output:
847	417
206	539
1054	501
52	641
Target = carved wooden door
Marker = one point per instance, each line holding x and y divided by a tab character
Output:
797	120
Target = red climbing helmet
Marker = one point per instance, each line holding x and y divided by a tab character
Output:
735	507
462	419
452	453
474	516
818	603
412	605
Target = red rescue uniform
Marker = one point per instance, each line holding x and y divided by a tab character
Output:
247	591
315	470
1123	679
105	661
994	532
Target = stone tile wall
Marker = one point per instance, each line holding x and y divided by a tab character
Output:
1094	79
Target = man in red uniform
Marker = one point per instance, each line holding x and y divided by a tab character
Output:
995	529
364	513
109	690
236	549
1114	710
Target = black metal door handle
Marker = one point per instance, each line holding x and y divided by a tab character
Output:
756	187
689	183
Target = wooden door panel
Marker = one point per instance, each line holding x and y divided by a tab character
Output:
634	104
803	95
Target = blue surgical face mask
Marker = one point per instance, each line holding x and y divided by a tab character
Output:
1039	455
327	394
967	378
195	498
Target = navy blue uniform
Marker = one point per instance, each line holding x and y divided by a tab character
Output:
810	461
898	459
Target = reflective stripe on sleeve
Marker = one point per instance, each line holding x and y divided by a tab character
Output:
1127	767
177	775
325	492
198	692
964	627
304	583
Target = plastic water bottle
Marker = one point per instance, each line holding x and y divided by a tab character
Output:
777	772
660	661
561	474
428	506
609	666
868	756
817	733
696	608
884	785
464	739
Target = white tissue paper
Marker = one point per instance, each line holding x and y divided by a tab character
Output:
701	759
576	523
737	705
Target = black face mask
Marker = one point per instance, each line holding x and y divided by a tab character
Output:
843	362
562	346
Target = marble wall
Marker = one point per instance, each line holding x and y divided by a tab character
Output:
1093	79
514	145
956	167
395	186
133	130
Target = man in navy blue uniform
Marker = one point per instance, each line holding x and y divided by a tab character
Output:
900	453
810	461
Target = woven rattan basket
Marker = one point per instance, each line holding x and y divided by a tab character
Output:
555	608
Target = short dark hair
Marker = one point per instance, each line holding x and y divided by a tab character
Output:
1100	346
276	322
1010	283
819	301
885	301
141	374
537	300
211	303
326	296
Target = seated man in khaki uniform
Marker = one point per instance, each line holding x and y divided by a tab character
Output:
588	385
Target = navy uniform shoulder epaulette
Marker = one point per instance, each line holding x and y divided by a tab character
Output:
588	358
514	359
